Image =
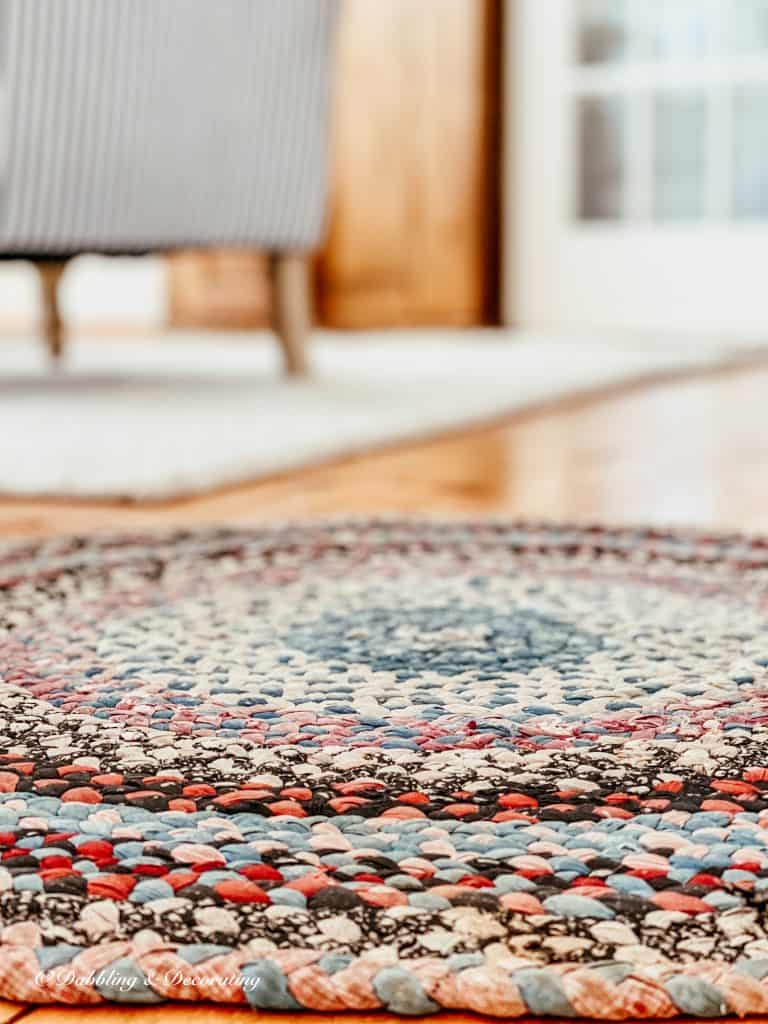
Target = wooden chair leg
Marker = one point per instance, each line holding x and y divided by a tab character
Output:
291	318
50	272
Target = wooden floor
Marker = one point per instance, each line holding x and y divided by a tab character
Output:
180	1013
691	451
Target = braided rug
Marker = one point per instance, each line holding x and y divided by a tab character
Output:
512	770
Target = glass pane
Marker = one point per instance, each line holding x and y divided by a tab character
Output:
748	22
673	29
679	155
601	157
750	151
602	33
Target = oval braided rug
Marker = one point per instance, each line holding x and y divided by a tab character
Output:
487	767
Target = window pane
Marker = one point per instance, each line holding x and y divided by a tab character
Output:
602	33
674	29
601	157
679	156
748	21
750	151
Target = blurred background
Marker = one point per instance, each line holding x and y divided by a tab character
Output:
626	138
412	231
518	203
643	163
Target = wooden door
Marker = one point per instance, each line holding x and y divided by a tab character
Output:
412	223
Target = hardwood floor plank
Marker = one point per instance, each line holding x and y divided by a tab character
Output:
187	1013
176	1013
12	1011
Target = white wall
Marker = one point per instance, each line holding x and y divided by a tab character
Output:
96	292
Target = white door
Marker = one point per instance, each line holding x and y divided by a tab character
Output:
637	165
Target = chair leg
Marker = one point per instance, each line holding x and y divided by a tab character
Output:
289	279
50	272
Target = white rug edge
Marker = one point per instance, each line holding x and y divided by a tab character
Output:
727	359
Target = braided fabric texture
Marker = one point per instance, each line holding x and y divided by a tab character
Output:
506	769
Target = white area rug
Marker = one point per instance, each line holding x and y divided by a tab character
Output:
176	415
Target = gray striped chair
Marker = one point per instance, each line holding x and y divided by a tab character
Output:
131	126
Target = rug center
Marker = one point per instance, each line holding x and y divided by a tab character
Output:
447	640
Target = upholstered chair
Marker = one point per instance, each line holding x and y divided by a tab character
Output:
134	126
